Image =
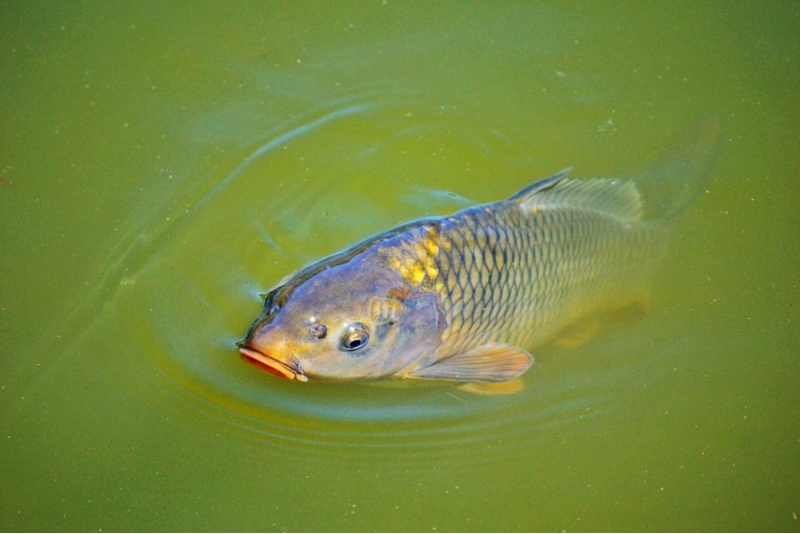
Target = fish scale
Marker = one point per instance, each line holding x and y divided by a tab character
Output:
507	275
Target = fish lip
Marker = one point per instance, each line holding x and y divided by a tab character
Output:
272	365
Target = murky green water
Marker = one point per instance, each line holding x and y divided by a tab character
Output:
161	165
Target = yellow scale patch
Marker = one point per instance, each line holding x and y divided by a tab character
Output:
415	259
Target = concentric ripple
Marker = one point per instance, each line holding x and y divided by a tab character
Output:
191	271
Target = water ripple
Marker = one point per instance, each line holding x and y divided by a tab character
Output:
182	285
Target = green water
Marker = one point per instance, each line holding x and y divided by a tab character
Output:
162	164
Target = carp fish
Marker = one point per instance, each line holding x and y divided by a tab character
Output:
466	297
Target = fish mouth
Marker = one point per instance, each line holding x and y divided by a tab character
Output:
272	365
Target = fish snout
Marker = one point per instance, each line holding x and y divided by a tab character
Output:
269	350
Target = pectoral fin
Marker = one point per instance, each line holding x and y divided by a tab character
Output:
514	385
577	334
494	362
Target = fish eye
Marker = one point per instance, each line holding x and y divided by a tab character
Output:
355	337
318	330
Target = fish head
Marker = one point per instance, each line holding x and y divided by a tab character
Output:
355	321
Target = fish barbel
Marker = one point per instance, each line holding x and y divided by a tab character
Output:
465	297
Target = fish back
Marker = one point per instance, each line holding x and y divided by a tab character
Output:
516	271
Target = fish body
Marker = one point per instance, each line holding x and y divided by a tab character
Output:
466	296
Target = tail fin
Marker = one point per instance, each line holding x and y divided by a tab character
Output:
670	186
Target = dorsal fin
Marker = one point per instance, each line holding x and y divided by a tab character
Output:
611	196
540	185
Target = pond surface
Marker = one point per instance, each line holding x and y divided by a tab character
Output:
163	165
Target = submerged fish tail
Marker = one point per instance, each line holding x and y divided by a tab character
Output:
671	185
